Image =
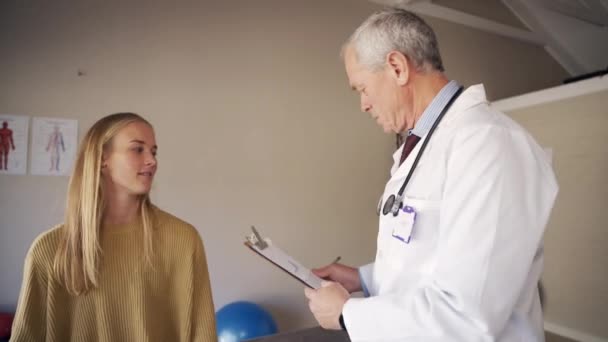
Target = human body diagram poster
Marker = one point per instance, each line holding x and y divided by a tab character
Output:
54	143
13	144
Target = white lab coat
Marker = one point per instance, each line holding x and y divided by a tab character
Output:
483	191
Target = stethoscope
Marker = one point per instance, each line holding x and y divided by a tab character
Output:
394	203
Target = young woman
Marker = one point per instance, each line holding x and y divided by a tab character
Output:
119	268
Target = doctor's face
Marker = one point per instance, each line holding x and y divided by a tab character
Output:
380	94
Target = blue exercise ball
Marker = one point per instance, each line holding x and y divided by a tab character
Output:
243	320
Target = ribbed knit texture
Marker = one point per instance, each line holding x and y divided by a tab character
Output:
169	302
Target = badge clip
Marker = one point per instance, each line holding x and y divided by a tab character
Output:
256	240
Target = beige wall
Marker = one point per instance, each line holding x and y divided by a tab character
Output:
576	256
253	115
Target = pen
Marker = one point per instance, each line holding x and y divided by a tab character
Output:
337	259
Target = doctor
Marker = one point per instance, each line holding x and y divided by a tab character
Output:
459	248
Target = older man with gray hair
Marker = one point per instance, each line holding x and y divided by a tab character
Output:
462	217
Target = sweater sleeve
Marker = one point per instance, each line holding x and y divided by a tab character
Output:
30	319
203	311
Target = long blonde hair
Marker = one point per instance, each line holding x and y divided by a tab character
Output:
78	257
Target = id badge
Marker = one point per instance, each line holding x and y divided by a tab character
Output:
404	224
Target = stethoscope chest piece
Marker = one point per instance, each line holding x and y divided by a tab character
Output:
388	204
391	206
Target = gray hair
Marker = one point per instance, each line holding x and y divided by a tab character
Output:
395	30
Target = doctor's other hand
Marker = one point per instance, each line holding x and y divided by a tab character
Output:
347	276
326	303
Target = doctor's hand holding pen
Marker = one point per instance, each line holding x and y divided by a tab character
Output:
345	275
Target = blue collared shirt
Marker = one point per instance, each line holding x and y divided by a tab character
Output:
430	114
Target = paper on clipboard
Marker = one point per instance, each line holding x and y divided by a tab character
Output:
265	248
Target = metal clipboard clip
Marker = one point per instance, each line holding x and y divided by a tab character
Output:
256	240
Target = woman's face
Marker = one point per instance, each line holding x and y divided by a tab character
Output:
129	165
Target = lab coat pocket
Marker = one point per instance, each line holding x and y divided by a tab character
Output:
413	237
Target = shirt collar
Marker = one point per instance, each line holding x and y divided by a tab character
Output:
431	113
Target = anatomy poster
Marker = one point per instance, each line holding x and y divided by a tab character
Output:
13	144
54	143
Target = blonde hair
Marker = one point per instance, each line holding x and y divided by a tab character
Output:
78	257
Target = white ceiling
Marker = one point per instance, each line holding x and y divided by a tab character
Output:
592	11
574	32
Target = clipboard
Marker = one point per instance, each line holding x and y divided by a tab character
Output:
272	253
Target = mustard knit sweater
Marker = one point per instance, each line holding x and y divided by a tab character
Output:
169	302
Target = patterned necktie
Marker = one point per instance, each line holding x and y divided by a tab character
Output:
408	146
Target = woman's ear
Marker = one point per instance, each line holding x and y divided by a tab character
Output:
104	161
399	67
